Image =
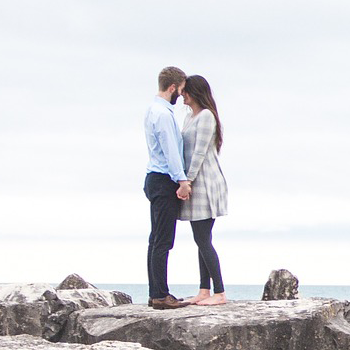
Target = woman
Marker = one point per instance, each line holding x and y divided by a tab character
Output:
202	137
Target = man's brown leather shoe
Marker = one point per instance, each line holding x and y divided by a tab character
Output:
150	300
169	302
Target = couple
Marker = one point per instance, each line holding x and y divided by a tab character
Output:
184	181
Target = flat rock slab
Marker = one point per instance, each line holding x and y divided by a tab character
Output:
40	310
28	342
303	324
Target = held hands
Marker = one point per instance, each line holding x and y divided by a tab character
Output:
184	190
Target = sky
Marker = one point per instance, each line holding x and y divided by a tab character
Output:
76	77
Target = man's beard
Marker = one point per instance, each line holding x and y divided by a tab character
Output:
174	97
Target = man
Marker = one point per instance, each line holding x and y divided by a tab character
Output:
165	176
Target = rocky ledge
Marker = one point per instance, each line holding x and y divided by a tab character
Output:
76	315
28	342
38	309
310	324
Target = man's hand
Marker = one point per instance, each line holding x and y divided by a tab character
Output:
184	190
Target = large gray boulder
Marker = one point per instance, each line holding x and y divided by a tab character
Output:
305	324
74	281
281	285
28	342
40	310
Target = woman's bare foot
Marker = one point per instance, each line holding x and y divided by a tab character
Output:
202	295
216	299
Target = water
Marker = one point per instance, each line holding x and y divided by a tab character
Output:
139	292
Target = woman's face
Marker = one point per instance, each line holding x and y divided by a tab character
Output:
187	98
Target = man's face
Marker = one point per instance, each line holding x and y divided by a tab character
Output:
177	93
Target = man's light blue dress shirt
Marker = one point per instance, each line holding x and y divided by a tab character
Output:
164	140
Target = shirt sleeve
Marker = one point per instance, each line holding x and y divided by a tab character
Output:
204	133
169	142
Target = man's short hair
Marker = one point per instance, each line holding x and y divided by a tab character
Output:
169	76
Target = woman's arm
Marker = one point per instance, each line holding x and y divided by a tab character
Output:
204	133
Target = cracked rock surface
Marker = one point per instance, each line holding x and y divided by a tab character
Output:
90	319
38	309
310	324
28	342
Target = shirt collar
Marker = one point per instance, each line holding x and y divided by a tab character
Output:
164	102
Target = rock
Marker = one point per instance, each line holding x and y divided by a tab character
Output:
23	308
40	310
22	318
25	293
27	342
305	324
74	281
75	299
282	285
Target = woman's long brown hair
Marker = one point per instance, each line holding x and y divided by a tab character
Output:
199	89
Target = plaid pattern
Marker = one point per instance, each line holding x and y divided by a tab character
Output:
209	189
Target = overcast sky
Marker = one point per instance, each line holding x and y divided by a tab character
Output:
75	80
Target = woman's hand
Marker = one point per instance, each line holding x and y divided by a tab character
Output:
184	190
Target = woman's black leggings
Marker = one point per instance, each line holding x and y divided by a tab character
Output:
209	265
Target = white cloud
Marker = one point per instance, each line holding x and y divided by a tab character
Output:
75	80
273	212
68	216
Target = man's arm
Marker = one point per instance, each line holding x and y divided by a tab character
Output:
167	136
